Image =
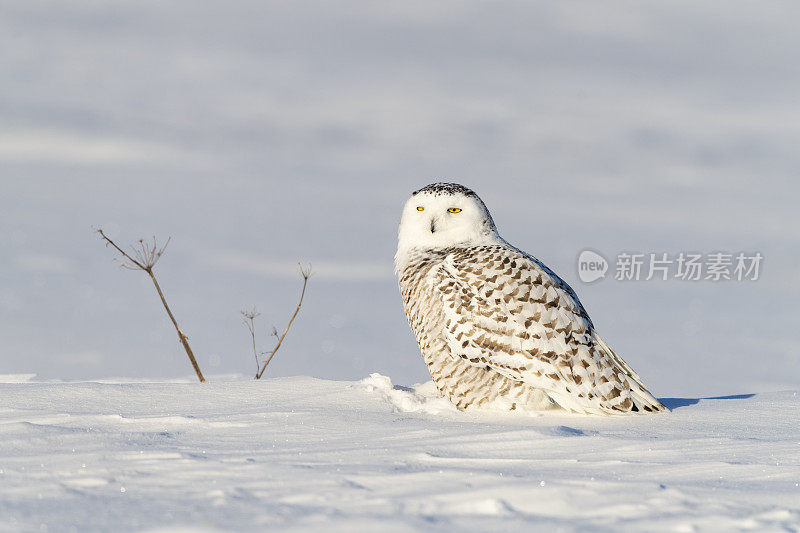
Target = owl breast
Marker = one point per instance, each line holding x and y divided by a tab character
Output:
465	384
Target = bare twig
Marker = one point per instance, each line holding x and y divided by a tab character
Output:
306	273
145	256
249	316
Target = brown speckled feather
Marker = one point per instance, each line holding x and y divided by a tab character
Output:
496	326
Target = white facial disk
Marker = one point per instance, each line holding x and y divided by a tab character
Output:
443	215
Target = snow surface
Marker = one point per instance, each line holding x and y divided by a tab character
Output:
312	455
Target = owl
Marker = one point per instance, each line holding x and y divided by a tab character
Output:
495	326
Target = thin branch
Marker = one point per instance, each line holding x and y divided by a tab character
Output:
306	273
249	316
145	258
181	336
149	254
134	264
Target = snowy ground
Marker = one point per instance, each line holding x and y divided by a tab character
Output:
259	133
308	454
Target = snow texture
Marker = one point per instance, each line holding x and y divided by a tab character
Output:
303	454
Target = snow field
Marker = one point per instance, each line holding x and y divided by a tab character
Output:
308	454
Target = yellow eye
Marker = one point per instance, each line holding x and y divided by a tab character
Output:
454	210
420	208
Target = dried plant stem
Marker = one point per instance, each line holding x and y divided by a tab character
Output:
249	317
306	273
146	258
181	336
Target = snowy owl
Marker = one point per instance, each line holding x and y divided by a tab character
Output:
495	326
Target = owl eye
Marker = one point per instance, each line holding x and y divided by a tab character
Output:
420	208
454	210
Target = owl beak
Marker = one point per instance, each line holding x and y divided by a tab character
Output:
433	225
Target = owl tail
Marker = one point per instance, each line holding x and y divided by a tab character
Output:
643	400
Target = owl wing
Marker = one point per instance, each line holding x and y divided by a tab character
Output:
508	312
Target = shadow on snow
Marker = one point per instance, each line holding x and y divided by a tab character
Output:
675	403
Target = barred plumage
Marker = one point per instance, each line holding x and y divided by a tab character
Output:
495	325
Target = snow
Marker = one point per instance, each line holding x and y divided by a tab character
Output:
308	454
259	134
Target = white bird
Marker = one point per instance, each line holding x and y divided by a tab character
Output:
495	326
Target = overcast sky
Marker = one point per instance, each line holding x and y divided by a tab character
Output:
259	134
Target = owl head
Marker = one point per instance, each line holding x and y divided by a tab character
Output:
441	215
